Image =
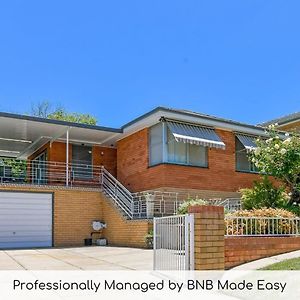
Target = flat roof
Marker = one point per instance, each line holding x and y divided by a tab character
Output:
58	122
21	135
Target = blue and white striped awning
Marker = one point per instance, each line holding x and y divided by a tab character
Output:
194	134
247	141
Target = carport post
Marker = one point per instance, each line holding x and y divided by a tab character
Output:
67	158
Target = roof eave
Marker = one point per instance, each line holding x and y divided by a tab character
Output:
59	122
154	115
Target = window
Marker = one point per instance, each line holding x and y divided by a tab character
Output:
156	144
165	149
242	160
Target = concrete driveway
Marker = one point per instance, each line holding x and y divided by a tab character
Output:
81	258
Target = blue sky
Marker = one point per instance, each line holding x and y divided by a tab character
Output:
119	59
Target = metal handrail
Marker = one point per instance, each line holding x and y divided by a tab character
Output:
138	205
116	190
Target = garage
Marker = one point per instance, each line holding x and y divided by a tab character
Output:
25	219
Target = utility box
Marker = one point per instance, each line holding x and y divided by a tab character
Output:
101	242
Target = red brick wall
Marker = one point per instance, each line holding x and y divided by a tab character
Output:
107	157
239	250
133	170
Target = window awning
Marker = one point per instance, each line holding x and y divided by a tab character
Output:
247	141
194	134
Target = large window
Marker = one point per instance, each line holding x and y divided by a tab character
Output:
242	160
165	149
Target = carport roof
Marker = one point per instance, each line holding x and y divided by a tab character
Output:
21	135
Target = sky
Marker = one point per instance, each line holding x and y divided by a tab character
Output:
119	59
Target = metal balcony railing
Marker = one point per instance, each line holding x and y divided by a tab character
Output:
48	173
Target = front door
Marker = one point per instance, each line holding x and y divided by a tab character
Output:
39	169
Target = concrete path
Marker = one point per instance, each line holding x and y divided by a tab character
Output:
81	258
264	262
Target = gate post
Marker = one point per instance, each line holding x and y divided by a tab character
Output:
209	238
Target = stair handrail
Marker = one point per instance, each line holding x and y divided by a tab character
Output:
134	205
122	197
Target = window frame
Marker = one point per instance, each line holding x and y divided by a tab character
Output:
165	159
252	167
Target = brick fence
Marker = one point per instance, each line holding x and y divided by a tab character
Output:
214	251
239	250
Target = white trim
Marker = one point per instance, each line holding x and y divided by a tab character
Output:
67	157
15	140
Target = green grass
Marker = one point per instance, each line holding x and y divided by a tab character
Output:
289	264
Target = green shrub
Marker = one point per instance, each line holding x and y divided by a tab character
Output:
183	208
264	194
294	208
149	239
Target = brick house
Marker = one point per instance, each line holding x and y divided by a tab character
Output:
65	175
289	122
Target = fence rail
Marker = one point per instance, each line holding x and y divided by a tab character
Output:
262	226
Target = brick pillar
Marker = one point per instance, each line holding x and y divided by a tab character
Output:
209	237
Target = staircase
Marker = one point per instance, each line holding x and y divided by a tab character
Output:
147	204
114	189
142	205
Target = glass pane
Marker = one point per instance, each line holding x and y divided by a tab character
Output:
177	151
242	160
156	146
197	155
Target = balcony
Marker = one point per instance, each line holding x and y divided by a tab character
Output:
49	173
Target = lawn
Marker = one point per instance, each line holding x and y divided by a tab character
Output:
289	264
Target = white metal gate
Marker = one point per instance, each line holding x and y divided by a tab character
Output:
173	243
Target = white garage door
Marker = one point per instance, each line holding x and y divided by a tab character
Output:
25	220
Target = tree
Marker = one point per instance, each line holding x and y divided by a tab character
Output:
280	157
44	110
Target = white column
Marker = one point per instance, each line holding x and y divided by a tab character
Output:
164	142
67	158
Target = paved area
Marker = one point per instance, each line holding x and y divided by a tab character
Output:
81	258
261	263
